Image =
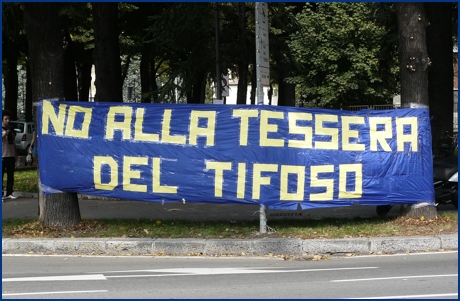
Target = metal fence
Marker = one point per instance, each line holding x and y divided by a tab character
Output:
395	106
372	107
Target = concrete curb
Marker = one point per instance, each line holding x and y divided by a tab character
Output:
230	247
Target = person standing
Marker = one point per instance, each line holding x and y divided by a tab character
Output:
8	154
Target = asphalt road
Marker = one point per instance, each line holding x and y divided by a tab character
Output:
421	275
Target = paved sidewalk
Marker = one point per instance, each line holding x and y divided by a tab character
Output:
26	207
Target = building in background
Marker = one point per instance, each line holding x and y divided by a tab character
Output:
233	90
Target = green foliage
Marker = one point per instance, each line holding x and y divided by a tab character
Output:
338	48
182	36
76	18
337	54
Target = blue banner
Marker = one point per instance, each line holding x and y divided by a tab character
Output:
281	157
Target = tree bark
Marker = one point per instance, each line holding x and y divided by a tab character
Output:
107	52
413	55
198	90
286	91
441	73
70	74
29	101
153	81
10	73
413	64
145	72
46	59
243	61
84	82
253	83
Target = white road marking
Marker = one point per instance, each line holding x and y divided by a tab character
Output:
145	276
173	272
49	293
57	278
411	296
399	277
220	271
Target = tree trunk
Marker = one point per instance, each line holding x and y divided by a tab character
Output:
145	72
11	54
286	93
198	90
441	73
107	52
270	94
413	64
413	55
46	59
70	74
29	101
84	83
243	61
253	83
153	81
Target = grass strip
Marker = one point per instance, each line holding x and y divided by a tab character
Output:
26	181
446	223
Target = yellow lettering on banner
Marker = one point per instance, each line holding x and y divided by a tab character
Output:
84	131
380	137
258	180
326	183
139	135
344	170
285	195
99	161
320	130
241	180
411	138
129	173
244	124
347	133
123	126
207	131
219	168
166	129
157	187
49	115
306	131
266	128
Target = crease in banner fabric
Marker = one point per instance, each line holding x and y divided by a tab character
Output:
281	157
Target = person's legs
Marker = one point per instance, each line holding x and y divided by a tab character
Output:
3	175
8	165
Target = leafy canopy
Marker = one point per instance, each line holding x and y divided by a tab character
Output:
338	48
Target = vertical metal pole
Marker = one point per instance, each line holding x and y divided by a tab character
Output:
260	92
260	89
260	101
263	219
218	72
